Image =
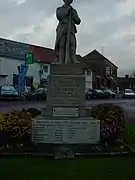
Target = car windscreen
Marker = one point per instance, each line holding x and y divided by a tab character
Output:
7	88
39	90
128	91
98	91
89	90
107	90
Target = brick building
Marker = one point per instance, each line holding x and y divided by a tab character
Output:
104	71
126	83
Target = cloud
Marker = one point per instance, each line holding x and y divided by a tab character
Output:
109	24
19	2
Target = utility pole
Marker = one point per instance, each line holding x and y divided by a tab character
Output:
102	49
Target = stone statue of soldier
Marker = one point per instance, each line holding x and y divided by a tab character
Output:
65	45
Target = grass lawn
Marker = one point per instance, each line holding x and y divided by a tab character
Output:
83	169
131	138
79	169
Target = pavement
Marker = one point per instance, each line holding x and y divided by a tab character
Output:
127	104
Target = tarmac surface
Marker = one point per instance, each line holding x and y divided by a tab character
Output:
5	106
127	104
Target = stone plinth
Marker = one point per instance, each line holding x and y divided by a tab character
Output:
68	131
66	90
66	85
66	69
65	119
48	111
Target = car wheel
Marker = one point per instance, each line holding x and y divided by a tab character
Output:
28	98
37	98
95	97
86	97
45	97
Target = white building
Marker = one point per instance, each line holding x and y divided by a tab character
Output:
88	79
12	54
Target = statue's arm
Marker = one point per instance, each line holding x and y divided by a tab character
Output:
61	13
75	17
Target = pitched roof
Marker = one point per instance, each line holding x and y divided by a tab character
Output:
78	58
43	54
96	55
14	49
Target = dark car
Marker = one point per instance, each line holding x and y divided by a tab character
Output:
97	94
38	94
88	94
109	94
8	92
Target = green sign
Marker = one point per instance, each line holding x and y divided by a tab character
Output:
29	58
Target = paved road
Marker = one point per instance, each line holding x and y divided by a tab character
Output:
8	106
128	105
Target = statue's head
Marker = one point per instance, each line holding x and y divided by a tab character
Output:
68	2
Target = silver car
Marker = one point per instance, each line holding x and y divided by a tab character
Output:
128	93
8	92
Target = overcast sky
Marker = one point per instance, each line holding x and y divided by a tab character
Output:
107	25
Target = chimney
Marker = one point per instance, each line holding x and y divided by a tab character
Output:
126	76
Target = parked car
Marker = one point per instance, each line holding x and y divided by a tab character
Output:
38	94
128	93
109	94
97	94
88	94
8	92
113	94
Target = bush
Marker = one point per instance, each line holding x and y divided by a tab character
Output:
109	132
109	114
34	112
112	118
15	127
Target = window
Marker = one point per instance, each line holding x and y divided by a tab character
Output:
111	71
15	79
29	80
40	72
45	69
108	69
88	73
